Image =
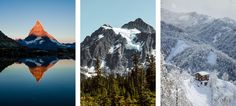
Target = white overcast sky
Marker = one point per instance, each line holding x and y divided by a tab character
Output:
215	8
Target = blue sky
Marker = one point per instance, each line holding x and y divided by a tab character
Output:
95	13
57	16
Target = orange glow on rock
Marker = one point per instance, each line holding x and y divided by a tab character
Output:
38	71
39	31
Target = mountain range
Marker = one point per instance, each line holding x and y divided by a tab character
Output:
197	42
116	46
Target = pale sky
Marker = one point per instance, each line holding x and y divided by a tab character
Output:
215	8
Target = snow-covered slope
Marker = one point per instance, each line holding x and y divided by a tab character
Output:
217	32
179	87
199	42
190	53
222	93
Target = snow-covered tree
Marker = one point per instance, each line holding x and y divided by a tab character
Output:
172	93
222	92
225	76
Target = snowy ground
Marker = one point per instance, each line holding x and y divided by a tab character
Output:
201	95
198	95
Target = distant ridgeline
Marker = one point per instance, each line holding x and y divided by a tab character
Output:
38	42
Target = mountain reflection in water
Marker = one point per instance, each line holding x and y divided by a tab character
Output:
37	66
20	77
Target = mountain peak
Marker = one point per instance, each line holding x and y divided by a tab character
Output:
140	25
106	26
39	31
138	20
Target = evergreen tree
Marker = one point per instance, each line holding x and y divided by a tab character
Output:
151	72
117	90
135	77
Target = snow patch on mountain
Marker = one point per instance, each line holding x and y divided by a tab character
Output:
33	41
180	47
102	64
88	71
106	27
40	42
129	35
33	61
100	36
211	58
113	48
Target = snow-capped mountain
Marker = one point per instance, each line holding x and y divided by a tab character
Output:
187	21
198	42
38	38
116	46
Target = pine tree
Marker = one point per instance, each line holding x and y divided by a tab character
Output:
135	77
151	72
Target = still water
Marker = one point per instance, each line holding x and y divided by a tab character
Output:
40	81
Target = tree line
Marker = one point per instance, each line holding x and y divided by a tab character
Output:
135	88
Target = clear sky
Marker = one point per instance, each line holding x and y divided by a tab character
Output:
95	13
215	8
57	16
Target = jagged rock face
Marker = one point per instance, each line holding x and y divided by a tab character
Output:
116	46
207	48
140	25
6	42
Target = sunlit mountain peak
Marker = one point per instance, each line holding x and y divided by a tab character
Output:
38	30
